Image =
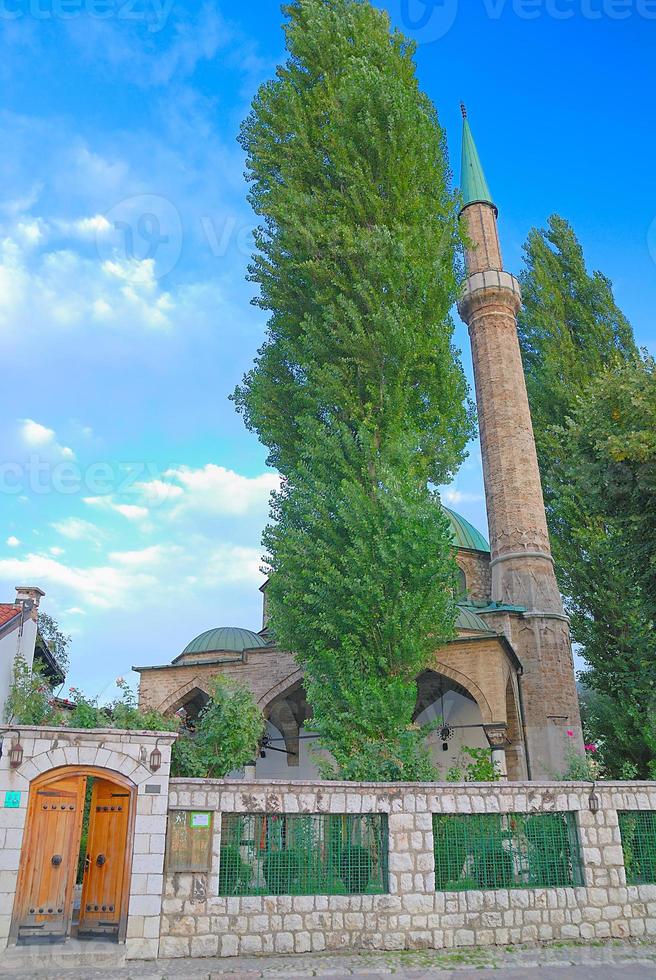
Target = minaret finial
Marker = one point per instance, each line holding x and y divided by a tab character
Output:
473	185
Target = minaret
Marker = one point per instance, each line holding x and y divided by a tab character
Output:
522	566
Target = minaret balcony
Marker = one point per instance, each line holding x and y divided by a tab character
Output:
490	286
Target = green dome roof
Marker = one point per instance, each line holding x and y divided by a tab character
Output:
465	534
225	639
469	620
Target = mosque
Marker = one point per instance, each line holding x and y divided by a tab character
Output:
506	681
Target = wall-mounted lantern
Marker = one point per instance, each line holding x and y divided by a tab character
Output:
16	754
16	750
155	758
594	802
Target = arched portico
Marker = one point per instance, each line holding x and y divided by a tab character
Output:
287	711
192	694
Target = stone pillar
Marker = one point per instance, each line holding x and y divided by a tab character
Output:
498	739
522	566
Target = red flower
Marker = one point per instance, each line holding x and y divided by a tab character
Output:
570	734
591	748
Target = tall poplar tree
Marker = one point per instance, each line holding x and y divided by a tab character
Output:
589	390
357	392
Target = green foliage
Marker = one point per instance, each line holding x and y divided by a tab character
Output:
87	713
126	715
355	868
481	769
234	872
30	700
492	863
506	851
450	846
548	850
186	760
593	401
585	767
281	871
227	736
58	642
357	391
570	328
638	830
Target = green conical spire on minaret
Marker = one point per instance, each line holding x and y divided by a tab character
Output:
473	185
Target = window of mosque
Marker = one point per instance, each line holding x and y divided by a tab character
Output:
512	850
303	854
462	582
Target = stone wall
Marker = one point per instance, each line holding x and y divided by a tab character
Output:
195	922
125	753
476	566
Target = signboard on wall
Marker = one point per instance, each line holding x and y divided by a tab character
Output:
189	841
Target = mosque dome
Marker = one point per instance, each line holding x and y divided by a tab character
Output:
225	639
465	534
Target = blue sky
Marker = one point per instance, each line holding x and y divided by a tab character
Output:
129	489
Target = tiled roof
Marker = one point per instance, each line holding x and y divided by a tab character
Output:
7	612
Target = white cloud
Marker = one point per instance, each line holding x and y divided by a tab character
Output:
159	492
13	541
38	436
77	529
55	290
132	512
35	435
31	231
125	579
212	489
452	497
233	563
102	586
96	225
57	552
154	555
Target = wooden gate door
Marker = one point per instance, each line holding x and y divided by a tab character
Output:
49	862
105	872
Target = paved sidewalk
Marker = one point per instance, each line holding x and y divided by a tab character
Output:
608	961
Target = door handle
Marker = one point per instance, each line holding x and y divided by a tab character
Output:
87	863
100	860
56	860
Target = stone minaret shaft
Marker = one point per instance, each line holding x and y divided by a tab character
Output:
522	567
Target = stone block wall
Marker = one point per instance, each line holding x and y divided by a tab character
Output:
196	922
125	753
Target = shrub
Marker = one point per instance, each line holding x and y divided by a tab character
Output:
492	864
30	700
233	871
281	871
450	851
548	850
355	867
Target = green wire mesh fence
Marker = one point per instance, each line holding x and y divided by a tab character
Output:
513	850
638	830
303	854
